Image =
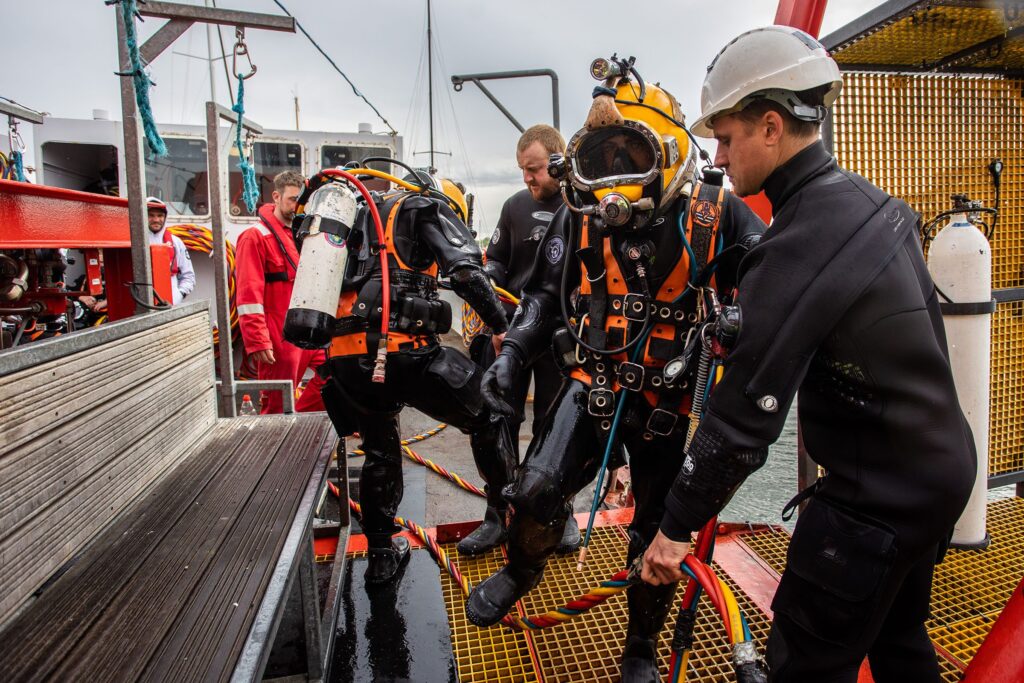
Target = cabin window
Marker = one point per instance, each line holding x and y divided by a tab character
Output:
80	166
179	178
269	159
340	155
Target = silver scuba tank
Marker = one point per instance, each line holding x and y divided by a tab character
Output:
330	215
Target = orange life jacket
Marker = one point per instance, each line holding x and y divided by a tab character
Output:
622	307
364	341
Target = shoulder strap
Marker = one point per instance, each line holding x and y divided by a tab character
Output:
702	220
389	231
280	244
591	256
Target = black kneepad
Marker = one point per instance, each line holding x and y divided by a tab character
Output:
535	493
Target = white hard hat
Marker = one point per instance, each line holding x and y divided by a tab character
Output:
156	203
772	62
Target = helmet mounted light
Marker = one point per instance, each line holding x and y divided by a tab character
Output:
602	69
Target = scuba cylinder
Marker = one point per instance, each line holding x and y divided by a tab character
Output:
330	215
960	262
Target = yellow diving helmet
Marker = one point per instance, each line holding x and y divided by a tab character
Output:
633	157
453	191
456	193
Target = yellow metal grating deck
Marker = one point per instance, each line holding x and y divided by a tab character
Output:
1006	418
968	593
587	648
969	589
492	655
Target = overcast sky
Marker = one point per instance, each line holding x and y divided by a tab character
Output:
66	54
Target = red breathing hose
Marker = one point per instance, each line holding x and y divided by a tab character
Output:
378	375
704	539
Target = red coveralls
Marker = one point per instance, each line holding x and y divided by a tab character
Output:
265	277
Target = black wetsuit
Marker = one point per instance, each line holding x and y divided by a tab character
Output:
513	245
510	256
566	452
435	379
838	304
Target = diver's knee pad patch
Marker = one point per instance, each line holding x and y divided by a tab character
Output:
536	492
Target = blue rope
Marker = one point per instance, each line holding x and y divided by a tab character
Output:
142	82
19	168
250	190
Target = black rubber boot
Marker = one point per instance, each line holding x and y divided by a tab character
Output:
386	557
493	597
495	460
570	542
530	545
648	607
491	533
639	661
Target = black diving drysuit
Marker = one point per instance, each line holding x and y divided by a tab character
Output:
838	304
426	240
566	453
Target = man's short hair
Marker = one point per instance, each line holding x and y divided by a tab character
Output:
798	127
286	178
549	138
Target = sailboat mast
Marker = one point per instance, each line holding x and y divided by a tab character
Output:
209	59
430	86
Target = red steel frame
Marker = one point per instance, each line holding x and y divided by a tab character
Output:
43	217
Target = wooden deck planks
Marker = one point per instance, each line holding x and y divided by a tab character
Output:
133	624
175	521
46	542
86	433
41	398
69	607
81	448
208	637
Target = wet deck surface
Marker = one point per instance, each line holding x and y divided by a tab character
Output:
394	633
588	649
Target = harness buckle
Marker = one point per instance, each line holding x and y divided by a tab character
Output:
661	422
634	306
601	402
631	376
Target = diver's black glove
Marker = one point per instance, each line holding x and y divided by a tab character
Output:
496	386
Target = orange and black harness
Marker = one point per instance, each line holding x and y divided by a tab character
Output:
418	315
614	305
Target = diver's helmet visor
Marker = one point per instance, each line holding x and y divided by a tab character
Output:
628	154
